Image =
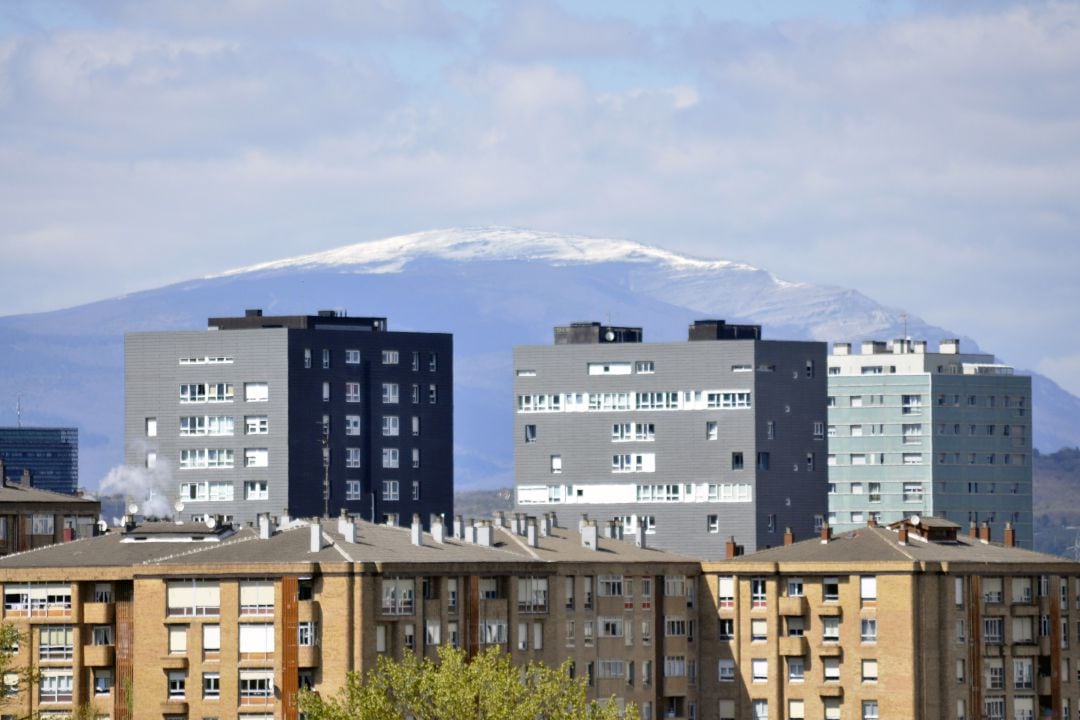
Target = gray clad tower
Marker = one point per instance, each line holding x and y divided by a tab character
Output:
692	441
257	413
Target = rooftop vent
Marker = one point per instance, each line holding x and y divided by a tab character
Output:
720	330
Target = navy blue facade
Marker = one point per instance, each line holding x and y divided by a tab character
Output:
422	481
50	454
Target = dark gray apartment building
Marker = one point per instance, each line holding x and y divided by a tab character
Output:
697	441
49	455
257	413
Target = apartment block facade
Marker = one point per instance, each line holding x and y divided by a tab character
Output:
722	434
32	518
166	620
49	456
913	432
911	621
258	413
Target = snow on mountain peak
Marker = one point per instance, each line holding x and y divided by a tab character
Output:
391	255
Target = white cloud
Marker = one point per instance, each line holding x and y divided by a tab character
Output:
931	161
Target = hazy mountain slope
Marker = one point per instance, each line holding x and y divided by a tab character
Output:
493	288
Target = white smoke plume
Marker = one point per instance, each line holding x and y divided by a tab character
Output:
149	488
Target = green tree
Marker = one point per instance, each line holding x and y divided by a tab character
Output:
488	687
10	640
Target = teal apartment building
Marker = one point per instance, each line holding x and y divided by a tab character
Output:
913	432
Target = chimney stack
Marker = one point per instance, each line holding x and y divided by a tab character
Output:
902	539
517	525
416	530
583	521
469	530
973	530
984	532
25	481
789	536
315	537
459	527
554	520
826	533
266	526
730	548
588	535
438	529
348	531
343	520
500	518
532	533
872	522
639	535
1010	535
545	524
485	534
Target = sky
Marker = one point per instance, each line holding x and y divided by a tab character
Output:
925	153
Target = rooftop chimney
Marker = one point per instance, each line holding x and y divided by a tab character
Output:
789	536
973	530
554	520
826	533
730	548
902	539
583	521
949	346
500	518
416	530
25	480
459	527
588	535
469	530
438	529
391	519
315	537
266	526
532	533
841	349
349	532
984	532
485	534
343	520
919	347
639	535
872	347
1010	535
872	522
516	524
609	529
545	524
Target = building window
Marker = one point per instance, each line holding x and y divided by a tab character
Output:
352	424
193	597
869	710
432	362
211	686
352	457
759	630
830	629
831	669
868	588
763	461
433	393
757	592
390	490
868	630
389	393
211	642
726	671
736	461
390	458
256	687
530	433
256	490
415	426
326	359
256	457
307	358
759	670
390	357
556	464
352	357
256	392
256	425
819	430
415	489
415	394
103	681
869	671
352	490
390	425
177	684
796	669
712	523
307	634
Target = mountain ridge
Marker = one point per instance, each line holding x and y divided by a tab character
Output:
68	364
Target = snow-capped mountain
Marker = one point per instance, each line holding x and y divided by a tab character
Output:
492	287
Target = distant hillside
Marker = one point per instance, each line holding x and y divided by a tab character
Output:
1057	502
480	504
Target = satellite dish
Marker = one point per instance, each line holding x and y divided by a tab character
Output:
915	520
132	509
179	506
609	336
211	522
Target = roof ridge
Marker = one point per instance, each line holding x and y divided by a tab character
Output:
202	548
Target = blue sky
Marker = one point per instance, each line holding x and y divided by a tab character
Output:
925	153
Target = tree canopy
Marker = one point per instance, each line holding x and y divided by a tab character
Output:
487	687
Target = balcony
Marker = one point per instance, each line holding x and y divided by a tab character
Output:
1025	648
1044	685
98	613
307	656
831	690
174	662
98	655
791	606
1024	609
174	706
830	650
829	610
308	610
793	645
1045	645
